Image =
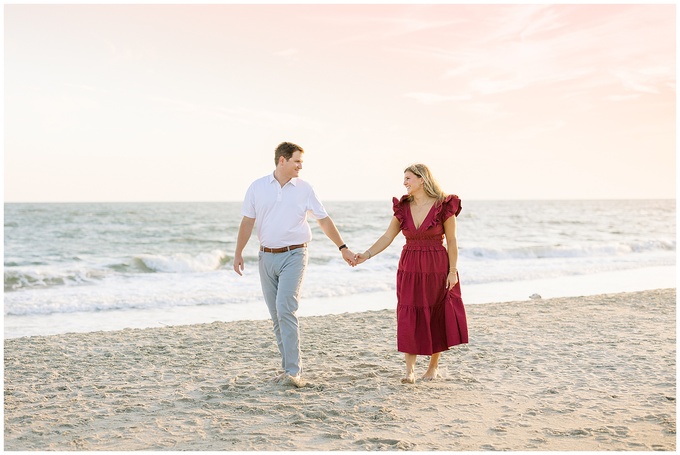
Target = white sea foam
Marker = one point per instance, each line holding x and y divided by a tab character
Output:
117	319
183	262
569	251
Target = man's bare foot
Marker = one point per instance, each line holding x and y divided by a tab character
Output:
297	381
409	379
278	378
431	375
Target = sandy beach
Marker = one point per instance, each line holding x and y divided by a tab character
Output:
581	373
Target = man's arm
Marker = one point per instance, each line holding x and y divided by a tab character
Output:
328	228
244	233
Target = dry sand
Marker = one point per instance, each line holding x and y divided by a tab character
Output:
584	373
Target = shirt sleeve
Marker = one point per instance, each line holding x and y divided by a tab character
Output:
248	206
314	206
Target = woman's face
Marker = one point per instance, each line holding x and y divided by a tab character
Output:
412	182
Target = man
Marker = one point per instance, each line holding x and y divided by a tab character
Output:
280	202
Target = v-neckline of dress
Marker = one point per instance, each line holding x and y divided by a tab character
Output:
413	221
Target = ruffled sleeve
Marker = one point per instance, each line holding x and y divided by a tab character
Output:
398	208
450	207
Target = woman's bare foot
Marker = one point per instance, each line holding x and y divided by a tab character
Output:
409	379
432	372
410	360
431	375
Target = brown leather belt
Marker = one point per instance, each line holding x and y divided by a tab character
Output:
283	249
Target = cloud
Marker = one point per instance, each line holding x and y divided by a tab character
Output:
617	98
644	80
290	55
83	87
488	111
243	116
372	27
290	52
435	98
580	47
522	22
269	118
489	86
536	130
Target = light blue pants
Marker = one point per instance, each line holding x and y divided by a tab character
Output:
281	276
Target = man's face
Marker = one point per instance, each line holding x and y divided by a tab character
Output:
291	168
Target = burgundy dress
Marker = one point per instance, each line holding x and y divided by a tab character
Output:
430	319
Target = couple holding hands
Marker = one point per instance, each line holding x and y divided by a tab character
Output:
430	312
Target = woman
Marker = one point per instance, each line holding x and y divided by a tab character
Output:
430	313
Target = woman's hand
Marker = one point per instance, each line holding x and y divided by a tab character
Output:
451	280
361	257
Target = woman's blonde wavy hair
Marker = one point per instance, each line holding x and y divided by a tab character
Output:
430	185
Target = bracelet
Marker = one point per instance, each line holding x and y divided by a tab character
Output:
453	270
369	254
341	247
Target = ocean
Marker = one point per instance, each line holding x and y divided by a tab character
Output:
82	267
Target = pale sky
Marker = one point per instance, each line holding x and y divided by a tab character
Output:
187	102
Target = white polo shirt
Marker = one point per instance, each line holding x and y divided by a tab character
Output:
281	213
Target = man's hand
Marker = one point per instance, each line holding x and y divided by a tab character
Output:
348	256
239	265
244	232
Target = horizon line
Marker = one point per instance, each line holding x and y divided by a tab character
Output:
335	200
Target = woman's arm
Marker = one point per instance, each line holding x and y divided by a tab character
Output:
383	242
452	248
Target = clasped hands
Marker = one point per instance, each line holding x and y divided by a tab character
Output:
354	259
